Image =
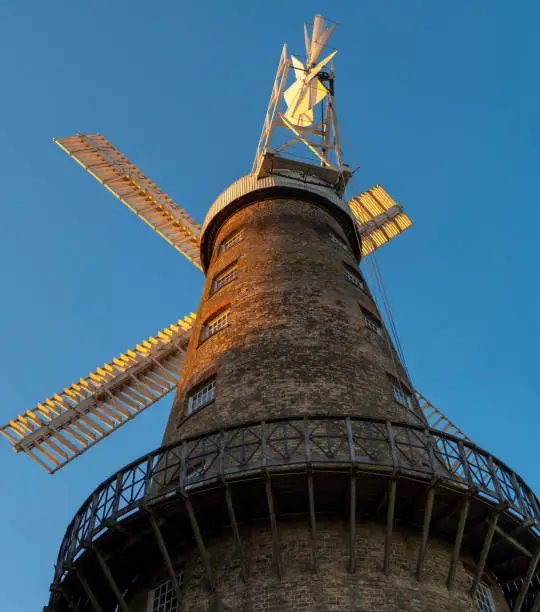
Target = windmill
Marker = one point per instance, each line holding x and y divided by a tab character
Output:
417	470
68	423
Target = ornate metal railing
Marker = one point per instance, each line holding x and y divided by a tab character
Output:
368	445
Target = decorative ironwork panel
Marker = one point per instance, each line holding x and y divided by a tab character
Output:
285	442
370	443
329	440
412	448
242	449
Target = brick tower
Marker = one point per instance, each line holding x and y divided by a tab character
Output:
289	346
298	470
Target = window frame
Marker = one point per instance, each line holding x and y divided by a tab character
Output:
371	321
198	390
230	269
353	276
483	596
161	606
231	240
337	239
401	393
206	331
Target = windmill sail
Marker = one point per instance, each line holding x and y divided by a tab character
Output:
305	93
124	180
67	424
436	418
320	36
379	218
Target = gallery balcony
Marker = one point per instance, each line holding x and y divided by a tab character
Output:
302	469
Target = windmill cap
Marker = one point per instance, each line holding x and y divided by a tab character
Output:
250	189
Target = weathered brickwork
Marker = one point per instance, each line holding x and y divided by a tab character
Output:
296	342
333	588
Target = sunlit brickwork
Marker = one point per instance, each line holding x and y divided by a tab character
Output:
296	340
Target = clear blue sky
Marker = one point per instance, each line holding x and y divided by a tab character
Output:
439	101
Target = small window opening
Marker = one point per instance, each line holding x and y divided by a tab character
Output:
483	597
224	278
231	240
401	394
215	324
371	321
338	240
201	396
163	598
353	276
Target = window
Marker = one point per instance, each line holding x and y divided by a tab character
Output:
163	598
338	240
401	393
484	598
214	324
224	278
201	396
353	276
371	321
231	240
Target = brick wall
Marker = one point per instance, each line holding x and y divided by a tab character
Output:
333	588
297	342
